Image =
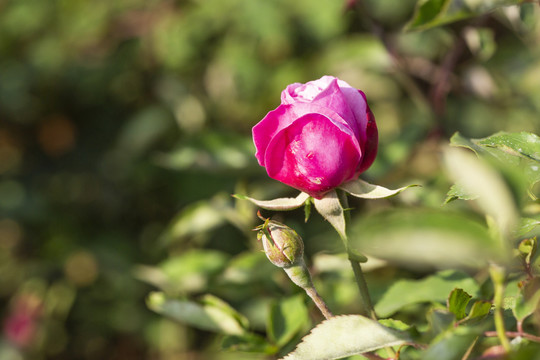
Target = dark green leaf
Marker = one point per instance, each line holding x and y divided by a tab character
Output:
457	303
479	311
439	322
431	13
452	345
248	343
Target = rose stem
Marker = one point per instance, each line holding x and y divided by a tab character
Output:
367	306
497	276
317	299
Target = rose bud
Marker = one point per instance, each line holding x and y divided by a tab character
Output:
285	249
322	135
282	245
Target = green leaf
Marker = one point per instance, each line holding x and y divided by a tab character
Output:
247	268
210	313
186	273
251	343
526	225
431	13
395	324
527	248
424	238
518	154
477	177
307	209
342	336
280	204
458	192
440	321
192	270
286	318
527	300
452	345
196	219
365	190
479	311
331	210
457	303
430	289
526	145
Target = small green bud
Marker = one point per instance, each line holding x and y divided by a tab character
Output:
282	245
285	249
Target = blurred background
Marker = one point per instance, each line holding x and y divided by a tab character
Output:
125	126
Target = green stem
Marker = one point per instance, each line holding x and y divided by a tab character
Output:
367	305
299	274
497	276
318	300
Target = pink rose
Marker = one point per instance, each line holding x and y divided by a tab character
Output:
322	135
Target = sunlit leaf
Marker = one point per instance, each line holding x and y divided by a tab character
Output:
191	270
526	225
478	178
518	154
342	336
431	289
210	313
196	219
246	268
280	204
522	144
361	189
331	210
431	13
425	237
458	192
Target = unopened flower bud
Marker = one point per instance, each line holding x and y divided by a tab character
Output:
285	249
282	245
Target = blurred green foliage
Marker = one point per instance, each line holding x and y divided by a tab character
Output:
125	125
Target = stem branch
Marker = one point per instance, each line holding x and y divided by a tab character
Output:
367	306
497	276
318	300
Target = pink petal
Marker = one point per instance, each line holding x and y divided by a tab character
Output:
313	155
283	116
358	103
370	146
